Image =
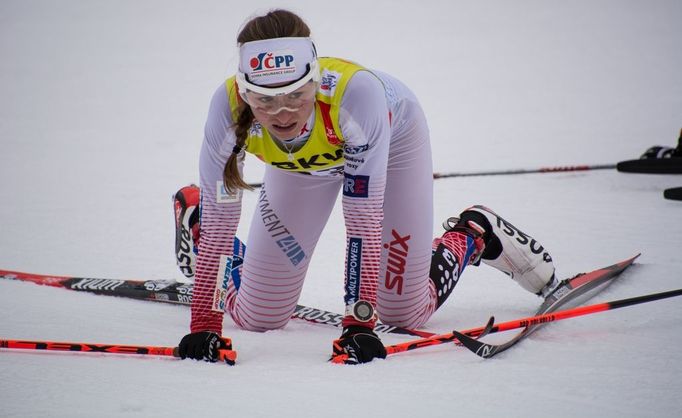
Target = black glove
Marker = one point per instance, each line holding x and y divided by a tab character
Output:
202	345
357	344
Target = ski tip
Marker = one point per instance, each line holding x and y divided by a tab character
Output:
629	260
651	166
488	327
674	193
633	258
626	262
477	347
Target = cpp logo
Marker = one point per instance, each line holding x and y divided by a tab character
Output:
355	186
271	60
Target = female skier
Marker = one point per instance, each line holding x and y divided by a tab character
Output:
322	125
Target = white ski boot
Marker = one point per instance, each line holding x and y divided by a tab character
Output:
509	250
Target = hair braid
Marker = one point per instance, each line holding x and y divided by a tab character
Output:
277	23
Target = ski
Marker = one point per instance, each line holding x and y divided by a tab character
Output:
674	193
174	292
488	350
671	165
571	291
179	293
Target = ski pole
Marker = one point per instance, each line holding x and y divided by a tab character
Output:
555	169
227	355
532	320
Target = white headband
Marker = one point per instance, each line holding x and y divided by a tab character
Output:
277	60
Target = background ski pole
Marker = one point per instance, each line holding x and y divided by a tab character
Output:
555	169
533	320
227	355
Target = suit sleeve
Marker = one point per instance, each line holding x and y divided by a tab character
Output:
365	125
219	216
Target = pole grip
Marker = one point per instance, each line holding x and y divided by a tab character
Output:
228	355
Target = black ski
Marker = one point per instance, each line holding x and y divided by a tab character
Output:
570	292
171	291
674	193
671	165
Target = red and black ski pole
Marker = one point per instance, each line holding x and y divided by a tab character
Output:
532	320
227	355
539	170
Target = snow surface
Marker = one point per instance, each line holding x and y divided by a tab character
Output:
102	106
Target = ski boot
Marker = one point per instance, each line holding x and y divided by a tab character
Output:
462	244
186	208
508	249
659	151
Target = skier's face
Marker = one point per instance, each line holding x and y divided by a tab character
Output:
284	116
